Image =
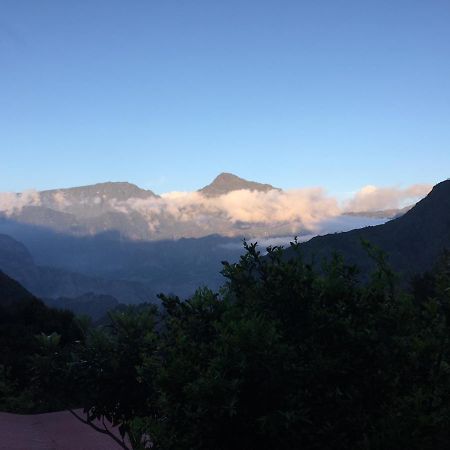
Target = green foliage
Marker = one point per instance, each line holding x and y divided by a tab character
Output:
290	357
28	381
284	356
11	397
104	373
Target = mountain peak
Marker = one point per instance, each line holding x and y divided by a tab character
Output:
227	182
227	176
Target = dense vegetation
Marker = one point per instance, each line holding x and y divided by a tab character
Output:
27	327
285	356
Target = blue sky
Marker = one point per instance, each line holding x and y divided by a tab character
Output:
167	94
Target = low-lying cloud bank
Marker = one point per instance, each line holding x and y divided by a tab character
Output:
11	203
240	208
372	198
303	205
307	206
296	209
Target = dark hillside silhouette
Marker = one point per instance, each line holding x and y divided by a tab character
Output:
23	317
413	242
11	291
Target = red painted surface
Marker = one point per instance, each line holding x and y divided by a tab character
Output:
51	431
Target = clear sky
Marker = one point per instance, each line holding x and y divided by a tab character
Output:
167	94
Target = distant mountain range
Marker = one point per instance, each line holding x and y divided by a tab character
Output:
125	208
229	206
69	267
90	248
51	282
93	274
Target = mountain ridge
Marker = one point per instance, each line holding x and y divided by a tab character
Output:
133	212
50	282
141	215
120	190
412	242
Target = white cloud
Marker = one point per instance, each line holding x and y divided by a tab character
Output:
266	214
60	200
11	202
373	198
305	206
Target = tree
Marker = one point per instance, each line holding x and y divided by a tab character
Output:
286	355
104	374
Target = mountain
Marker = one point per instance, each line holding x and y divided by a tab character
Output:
115	239
413	242
22	318
85	210
227	182
11	291
131	271
134	213
50	282
96	193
